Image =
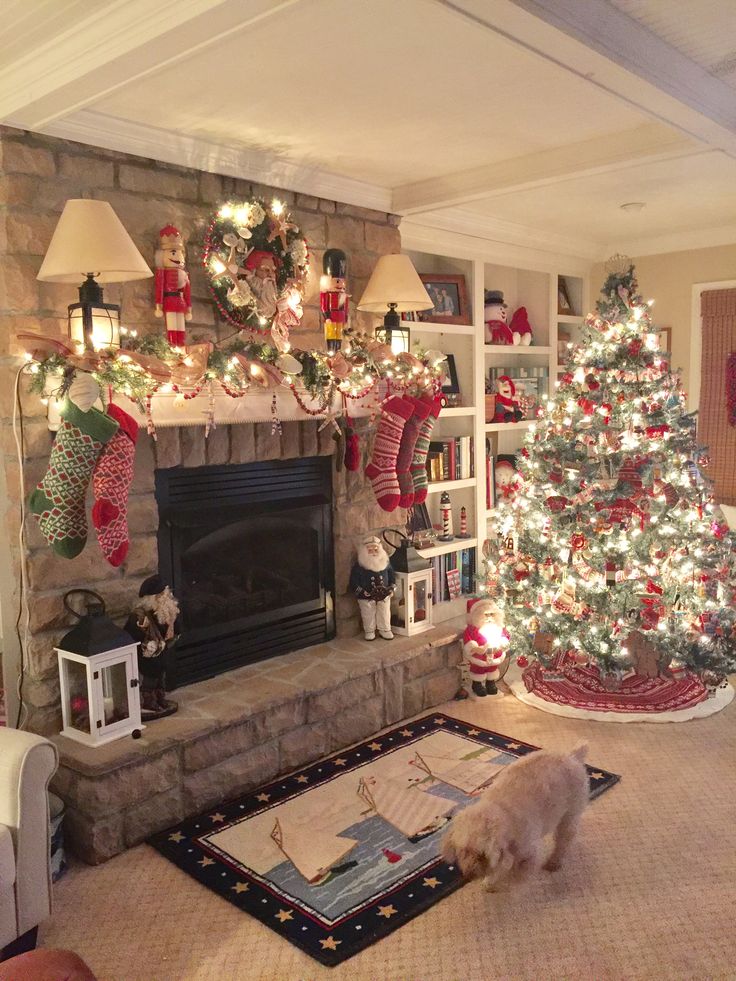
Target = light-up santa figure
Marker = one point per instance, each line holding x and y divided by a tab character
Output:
484	646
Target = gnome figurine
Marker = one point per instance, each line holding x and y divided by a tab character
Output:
173	292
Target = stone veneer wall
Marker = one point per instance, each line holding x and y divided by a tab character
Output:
37	175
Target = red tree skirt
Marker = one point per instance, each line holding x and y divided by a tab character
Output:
583	688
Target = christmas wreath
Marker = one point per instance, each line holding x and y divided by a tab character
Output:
256	264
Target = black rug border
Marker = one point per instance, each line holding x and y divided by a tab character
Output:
258	901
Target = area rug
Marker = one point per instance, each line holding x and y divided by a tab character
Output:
579	691
345	851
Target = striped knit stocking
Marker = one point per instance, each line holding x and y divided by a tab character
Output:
406	450
419	460
381	471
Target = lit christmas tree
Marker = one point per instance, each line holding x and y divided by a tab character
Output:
612	553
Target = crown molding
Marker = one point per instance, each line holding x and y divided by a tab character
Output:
685	241
97	129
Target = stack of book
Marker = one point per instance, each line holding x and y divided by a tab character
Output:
453	575
450	459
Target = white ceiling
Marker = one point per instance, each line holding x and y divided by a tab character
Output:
539	116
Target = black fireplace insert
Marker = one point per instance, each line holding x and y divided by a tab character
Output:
248	551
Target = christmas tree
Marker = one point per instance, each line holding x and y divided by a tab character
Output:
612	552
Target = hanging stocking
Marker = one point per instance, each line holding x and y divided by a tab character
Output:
111	482
58	501
381	471
406	450
419	460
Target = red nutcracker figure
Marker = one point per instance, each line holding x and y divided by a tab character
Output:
173	292
333	297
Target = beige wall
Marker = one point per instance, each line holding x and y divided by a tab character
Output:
668	279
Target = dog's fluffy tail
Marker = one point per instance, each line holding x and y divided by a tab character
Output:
580	752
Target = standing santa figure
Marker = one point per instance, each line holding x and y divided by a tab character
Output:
484	646
373	581
173	292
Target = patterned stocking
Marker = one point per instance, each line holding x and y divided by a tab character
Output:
406	450
419	460
111	483
381	471
58	501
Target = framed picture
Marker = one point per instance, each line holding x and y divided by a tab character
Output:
450	298
448	378
665	339
563	297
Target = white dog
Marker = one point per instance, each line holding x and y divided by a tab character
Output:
500	839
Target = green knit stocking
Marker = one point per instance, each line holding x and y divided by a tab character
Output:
59	500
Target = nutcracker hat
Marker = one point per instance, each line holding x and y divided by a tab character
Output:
256	257
335	264
152	586
170	237
505	378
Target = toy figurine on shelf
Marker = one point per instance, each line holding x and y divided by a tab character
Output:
333	297
373	581
152	623
463	533
506	480
508	408
446	515
173	291
484	646
495	317
521	329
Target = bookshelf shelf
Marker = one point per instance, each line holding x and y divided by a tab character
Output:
452	411
508	427
456	545
570	318
508	349
437	486
432	328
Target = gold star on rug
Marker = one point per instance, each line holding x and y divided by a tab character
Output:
439	722
283	915
374	746
513	745
217	818
340	762
406	732
302	779
240	887
387	911
177	837
431	882
263	798
206	861
330	943
598	776
473	732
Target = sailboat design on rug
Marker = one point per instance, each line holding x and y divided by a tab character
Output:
410	810
314	853
469	775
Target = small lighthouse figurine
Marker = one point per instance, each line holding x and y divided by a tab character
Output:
333	297
173	292
446	515
463	533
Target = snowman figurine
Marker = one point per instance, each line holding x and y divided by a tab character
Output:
495	316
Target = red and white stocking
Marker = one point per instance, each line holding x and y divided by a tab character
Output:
111	482
381	471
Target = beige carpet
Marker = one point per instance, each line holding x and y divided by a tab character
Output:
649	893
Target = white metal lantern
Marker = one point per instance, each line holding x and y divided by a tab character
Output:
98	670
411	602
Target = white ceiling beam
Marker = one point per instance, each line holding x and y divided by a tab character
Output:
604	47
123	41
644	144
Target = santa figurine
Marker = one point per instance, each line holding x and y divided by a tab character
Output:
152	623
333	297
173	291
373	581
507	405
484	646
260	270
495	317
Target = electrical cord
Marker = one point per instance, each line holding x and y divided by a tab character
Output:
19	437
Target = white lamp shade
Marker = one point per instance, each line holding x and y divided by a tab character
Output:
395	280
90	238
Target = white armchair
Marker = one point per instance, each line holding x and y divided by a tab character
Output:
27	763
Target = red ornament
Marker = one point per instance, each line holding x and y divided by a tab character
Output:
556	503
578	541
587	406
522	660
657	432
635	348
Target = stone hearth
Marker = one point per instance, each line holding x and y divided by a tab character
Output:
244	728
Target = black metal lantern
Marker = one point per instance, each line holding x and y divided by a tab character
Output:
93	322
395	331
